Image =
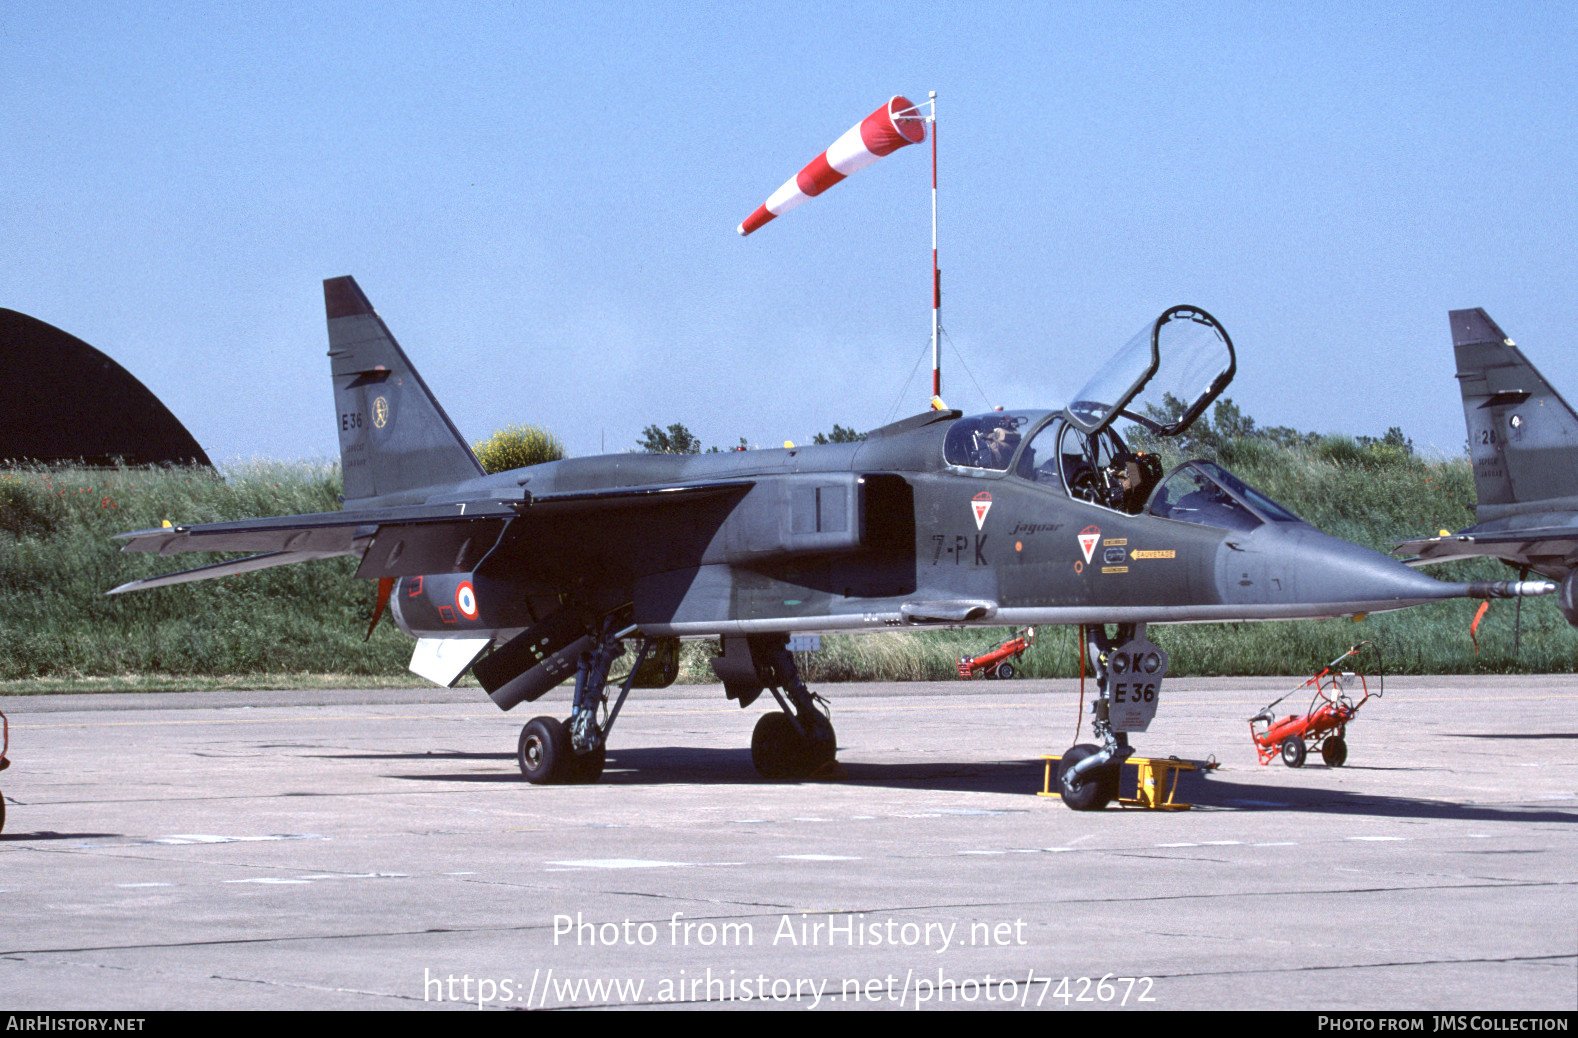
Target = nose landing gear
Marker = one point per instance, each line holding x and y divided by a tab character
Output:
1129	674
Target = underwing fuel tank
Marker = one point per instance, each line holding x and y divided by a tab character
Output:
453	605
457	605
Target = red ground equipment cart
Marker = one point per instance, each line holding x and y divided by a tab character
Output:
5	744
998	662
1324	726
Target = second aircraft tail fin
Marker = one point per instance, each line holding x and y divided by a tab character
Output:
1522	435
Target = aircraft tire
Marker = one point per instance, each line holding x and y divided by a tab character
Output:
1334	751
779	751
544	753
1293	751
1097	791
775	745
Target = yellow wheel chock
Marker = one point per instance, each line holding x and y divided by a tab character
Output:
1151	780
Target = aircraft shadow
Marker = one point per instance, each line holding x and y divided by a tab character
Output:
51	835
690	765
425	755
1211	790
1512	735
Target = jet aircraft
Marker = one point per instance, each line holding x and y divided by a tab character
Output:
532	577
1523	439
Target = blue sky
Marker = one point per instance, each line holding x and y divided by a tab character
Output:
540	199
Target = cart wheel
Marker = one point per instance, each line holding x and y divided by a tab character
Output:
1005	670
1097	791
1334	751
1293	751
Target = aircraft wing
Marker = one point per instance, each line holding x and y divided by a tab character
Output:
396	541
1515	545
249	564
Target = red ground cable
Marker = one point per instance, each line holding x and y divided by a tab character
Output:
1081	715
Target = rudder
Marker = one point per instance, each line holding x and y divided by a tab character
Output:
394	436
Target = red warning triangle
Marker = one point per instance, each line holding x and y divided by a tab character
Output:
1089	537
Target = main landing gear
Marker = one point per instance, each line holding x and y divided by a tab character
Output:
574	750
1129	672
795	741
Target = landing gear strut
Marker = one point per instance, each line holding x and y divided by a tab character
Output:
798	739
574	750
1129	672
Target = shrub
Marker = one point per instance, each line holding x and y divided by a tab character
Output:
675	440
516	446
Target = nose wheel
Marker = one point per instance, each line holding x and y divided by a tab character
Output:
1092	791
1129	671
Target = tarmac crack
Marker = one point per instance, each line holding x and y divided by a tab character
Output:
1532	960
1174	858
313	987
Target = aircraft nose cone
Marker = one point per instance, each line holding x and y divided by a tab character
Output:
1313	574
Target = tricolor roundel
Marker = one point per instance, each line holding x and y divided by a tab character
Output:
466	600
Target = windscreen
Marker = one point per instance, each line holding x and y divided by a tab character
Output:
1209	495
1163	378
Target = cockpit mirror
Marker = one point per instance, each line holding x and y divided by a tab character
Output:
1162	379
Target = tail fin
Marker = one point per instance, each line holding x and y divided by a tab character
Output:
1522	435
394	437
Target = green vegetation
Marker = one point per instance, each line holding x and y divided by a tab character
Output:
840	434
293	624
57	558
516	446
676	439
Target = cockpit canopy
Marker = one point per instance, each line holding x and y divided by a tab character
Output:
1162	379
1207	494
987	441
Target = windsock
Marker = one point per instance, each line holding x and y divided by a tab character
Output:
883	132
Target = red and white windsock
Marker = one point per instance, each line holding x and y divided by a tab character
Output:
883	132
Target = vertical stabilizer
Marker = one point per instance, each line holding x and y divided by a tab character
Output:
394	437
1521	434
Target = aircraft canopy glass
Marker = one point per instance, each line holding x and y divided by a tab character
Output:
1209	495
1163	378
986	441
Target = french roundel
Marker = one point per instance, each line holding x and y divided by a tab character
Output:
466	600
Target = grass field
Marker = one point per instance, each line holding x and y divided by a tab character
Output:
304	625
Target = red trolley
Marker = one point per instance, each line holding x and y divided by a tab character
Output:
1324	726
998	662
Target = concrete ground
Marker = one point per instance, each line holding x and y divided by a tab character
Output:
378	849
